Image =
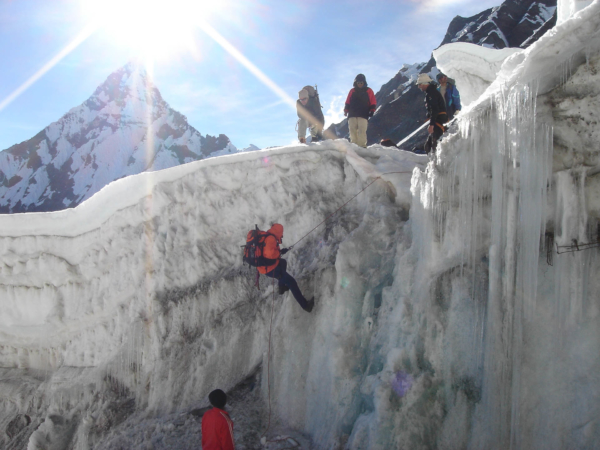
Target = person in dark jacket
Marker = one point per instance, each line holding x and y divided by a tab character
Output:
451	95
278	268
217	427
360	106
310	116
436	111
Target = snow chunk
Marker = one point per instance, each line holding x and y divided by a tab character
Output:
472	66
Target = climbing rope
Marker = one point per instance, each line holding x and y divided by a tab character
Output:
269	362
333	213
263	438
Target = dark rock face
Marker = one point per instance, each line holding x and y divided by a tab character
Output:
539	32
508	25
406	103
212	144
515	23
123	129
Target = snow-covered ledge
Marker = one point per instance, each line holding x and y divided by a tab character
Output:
566	8
547	63
472	66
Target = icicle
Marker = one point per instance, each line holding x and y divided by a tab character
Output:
509	146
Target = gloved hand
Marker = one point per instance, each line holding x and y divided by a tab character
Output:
346	113
302	140
283	251
371	114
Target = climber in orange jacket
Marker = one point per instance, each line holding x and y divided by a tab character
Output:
278	270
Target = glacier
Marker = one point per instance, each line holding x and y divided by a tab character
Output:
456	301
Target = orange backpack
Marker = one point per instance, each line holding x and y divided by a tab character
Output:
253	250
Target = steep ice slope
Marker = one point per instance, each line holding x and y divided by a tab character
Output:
140	290
517	184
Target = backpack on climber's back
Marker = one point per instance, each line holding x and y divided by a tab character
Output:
253	250
313	93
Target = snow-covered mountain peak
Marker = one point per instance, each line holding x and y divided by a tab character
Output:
124	128
132	81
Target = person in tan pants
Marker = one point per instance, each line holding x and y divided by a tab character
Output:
360	106
310	115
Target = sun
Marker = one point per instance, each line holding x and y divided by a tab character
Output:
153	29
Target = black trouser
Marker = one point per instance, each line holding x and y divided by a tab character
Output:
432	139
280	273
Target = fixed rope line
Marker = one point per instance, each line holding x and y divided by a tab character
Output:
422	127
269	384
333	213
269	363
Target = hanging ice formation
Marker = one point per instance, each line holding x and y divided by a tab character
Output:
482	214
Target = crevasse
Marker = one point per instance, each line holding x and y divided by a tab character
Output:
440	320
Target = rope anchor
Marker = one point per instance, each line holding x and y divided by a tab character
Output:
575	247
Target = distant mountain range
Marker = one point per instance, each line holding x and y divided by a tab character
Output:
400	108
124	128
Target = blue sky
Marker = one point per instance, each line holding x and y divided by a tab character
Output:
288	43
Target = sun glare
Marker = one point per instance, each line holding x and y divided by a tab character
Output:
153	29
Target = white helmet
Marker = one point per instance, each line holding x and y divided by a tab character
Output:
424	79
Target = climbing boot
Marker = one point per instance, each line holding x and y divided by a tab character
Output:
310	305
283	289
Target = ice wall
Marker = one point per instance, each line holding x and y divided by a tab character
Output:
137	299
566	8
508	323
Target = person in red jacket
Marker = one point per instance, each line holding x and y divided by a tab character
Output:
217	427
360	106
278	269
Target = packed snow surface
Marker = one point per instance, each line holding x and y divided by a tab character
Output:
457	299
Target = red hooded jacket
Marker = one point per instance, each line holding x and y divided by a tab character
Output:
271	248
217	430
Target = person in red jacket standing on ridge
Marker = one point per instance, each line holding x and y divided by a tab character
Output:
360	107
217	427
